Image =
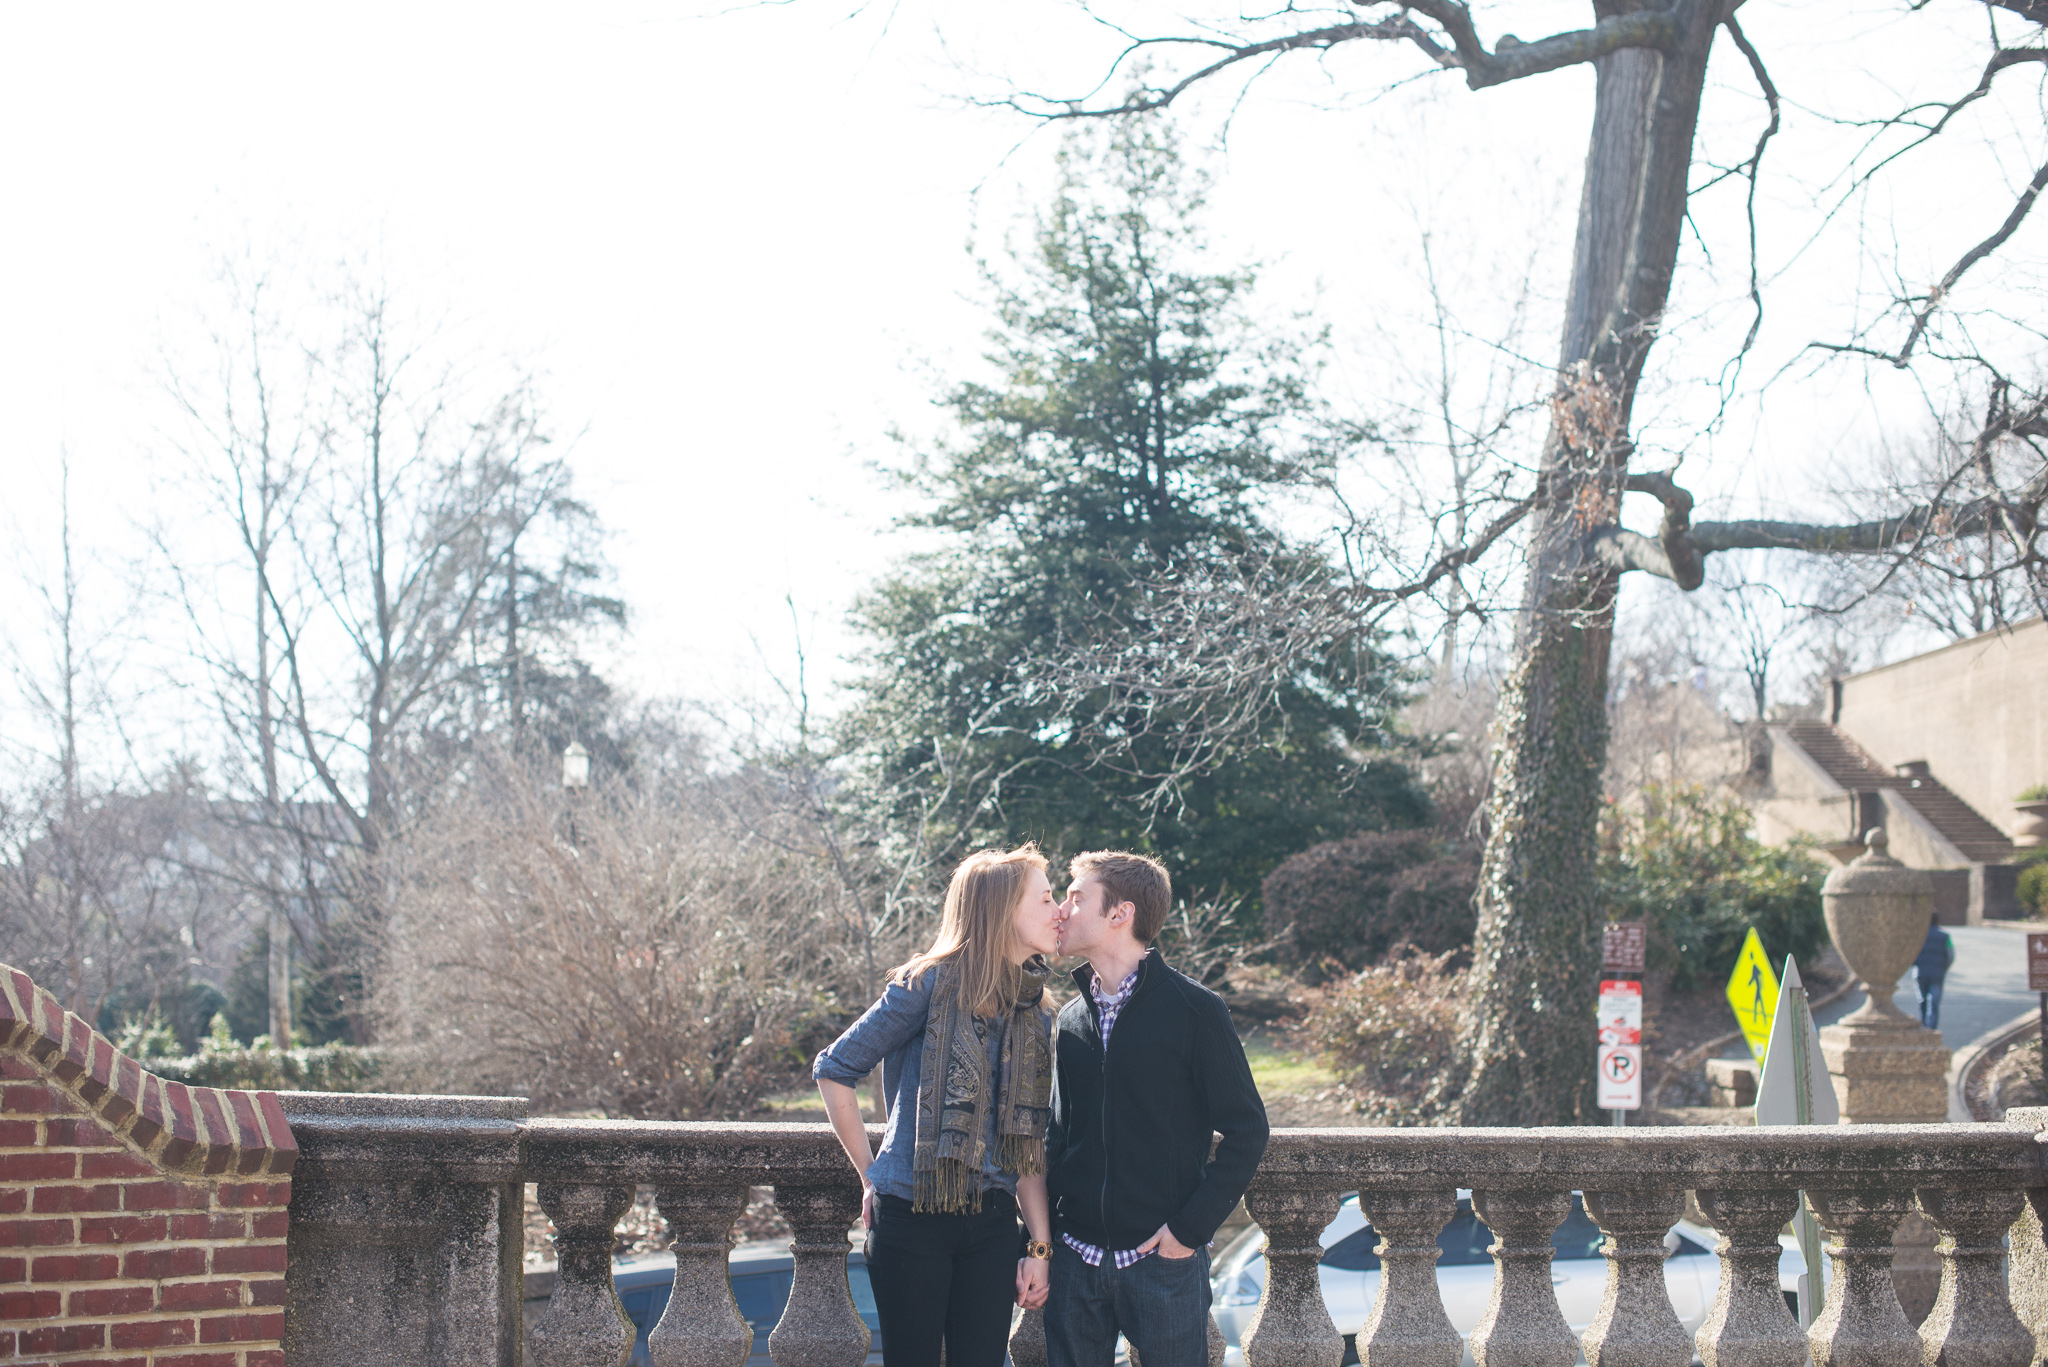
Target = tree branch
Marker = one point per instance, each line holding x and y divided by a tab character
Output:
1679	550
1513	59
1457	48
1970	258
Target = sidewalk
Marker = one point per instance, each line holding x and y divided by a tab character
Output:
1986	987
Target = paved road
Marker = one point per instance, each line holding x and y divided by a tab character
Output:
1987	986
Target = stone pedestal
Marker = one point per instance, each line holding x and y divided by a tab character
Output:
1887	1068
1886	1074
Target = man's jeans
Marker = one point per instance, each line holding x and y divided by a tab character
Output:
1160	1304
1930	1003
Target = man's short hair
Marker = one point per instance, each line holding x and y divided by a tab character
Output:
1130	878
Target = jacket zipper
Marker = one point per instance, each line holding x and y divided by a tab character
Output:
1104	1103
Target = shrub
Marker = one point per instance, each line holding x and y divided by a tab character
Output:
2032	887
1355	899
2034	793
320	1068
222	1062
637	952
1387	1031
1685	862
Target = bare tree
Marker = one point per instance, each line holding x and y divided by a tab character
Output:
108	889
1520	1056
391	591
248	446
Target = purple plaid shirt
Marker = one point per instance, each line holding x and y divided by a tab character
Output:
1106	1009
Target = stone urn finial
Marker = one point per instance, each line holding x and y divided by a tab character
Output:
1878	911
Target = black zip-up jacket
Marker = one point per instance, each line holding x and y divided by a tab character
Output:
1128	1147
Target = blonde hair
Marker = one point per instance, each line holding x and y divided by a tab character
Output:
978	929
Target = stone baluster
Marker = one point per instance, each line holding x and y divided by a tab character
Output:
1027	1340
1749	1324
584	1324
2027	1268
1862	1324
1522	1326
1972	1324
702	1325
1636	1326
1291	1327
819	1327
1408	1326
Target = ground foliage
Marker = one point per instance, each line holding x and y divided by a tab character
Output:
1387	1031
1136	422
1684	860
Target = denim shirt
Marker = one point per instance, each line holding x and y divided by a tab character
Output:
891	1033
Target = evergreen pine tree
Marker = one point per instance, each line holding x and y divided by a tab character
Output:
1136	426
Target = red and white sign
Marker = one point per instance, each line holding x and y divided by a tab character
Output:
1621	1012
1621	1077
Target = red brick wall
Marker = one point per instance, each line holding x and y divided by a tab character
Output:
142	1222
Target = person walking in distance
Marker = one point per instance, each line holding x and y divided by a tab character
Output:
1936	954
1147	1069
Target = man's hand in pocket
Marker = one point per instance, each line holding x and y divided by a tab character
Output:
1166	1246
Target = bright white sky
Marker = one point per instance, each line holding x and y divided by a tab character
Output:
736	245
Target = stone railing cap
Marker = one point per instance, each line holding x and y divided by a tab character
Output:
393	1106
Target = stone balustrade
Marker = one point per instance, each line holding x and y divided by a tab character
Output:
1973	1183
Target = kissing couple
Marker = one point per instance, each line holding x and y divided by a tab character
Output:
1093	1131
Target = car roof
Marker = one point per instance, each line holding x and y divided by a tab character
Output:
652	1269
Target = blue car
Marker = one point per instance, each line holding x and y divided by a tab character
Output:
760	1283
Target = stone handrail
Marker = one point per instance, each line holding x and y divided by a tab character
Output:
1972	1182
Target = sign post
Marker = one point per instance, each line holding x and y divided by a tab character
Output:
1621	1048
1794	1089
1619	1060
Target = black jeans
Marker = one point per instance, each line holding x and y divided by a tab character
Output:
944	1278
1160	1304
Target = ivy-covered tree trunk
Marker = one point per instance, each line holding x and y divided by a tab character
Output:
1525	1052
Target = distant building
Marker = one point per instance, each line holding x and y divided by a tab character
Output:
1935	749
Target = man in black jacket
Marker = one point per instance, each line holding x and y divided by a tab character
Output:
1147	1069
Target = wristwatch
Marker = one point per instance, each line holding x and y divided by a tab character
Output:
1039	1249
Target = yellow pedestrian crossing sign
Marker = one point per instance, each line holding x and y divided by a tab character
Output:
1753	992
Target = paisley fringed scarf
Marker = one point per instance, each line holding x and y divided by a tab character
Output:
954	1089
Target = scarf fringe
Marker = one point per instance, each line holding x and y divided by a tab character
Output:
947	1187
1023	1154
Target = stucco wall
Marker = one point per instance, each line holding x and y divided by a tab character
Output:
1976	711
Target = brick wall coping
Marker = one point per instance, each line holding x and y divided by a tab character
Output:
196	1132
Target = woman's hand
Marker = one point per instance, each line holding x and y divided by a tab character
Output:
867	1205
1034	1282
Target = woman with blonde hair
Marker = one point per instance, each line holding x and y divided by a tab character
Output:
964	1038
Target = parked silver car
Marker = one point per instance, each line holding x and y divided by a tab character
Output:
1350	1274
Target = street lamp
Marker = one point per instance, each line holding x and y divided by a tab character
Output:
575	766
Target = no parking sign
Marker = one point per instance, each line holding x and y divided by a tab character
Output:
1621	1077
1619	1062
